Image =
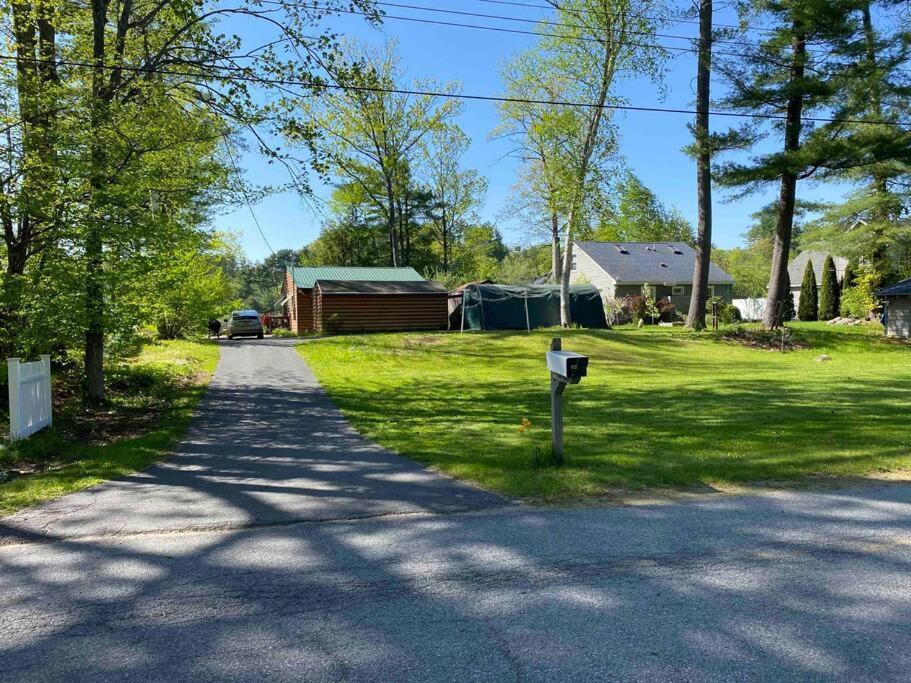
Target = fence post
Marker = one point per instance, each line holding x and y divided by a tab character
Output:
15	417
46	360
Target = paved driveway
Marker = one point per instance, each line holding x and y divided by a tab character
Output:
812	585
267	447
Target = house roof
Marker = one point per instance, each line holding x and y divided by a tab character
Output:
305	277
363	287
799	265
649	262
902	288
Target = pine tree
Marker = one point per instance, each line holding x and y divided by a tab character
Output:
829	295
787	299
808	307
787	78
849	276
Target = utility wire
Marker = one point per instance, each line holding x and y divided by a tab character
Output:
679	20
546	22
243	191
248	77
563	36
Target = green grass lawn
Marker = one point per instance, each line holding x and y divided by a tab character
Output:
151	398
660	407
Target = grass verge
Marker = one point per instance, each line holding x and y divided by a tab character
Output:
661	407
151	398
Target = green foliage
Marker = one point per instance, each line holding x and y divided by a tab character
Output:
829	294
649	307
191	290
808	306
151	397
850	275
641	217
858	300
282	332
788	312
749	266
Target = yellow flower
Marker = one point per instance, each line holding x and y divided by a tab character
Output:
521	429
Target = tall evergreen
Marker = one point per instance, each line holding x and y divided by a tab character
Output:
850	274
787	299
696	317
829	294
803	67
808	307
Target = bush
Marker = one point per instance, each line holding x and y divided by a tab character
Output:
283	332
667	311
728	314
829	294
859	300
808	306
333	324
637	307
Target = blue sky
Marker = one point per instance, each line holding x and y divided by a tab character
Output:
650	142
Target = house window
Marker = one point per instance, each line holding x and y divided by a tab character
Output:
572	265
677	290
711	291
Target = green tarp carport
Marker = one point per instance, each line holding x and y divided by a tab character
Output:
527	307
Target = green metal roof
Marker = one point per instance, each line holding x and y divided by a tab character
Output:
307	276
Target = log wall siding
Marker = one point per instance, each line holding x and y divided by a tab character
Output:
381	312
299	308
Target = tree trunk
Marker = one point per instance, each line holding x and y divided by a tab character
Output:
887	207
771	318
390	217
566	317
94	243
696	316
556	267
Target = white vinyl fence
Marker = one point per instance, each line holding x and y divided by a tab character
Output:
750	309
29	396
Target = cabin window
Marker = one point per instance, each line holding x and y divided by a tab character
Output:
677	290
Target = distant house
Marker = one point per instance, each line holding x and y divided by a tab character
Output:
324	299
798	266
897	309
620	269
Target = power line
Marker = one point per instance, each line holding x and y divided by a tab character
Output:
243	191
545	22
744	27
584	39
317	85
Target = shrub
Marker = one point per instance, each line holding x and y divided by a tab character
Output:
333	324
283	332
829	294
667	311
728	314
808	307
787	298
636	307
859	300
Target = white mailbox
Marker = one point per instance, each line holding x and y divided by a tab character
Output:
569	365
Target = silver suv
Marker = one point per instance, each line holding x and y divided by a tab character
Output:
244	324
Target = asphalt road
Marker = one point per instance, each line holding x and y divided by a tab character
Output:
304	552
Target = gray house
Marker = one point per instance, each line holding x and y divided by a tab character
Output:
897	309
818	258
620	269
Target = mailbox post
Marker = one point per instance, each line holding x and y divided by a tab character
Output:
566	367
